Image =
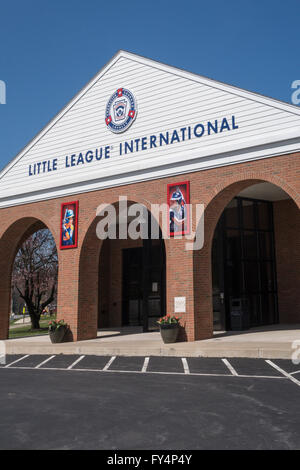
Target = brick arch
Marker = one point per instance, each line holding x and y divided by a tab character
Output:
13	235
261	177
110	199
223	193
88	272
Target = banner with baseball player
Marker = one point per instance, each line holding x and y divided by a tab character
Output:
178	197
69	225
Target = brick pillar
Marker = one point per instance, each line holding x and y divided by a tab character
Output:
203	292
287	246
5	296
180	283
67	290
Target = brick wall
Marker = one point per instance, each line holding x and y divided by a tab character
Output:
287	245
188	273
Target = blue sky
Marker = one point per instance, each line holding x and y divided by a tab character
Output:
50	49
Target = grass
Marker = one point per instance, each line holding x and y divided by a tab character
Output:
18	331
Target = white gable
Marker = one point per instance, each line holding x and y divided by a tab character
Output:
249	126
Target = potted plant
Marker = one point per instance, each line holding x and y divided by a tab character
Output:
169	328
57	330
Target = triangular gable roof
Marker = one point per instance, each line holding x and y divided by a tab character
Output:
166	68
168	98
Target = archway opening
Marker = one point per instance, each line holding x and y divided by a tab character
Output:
28	264
255	260
131	283
122	279
34	285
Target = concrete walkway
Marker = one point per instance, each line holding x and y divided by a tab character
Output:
265	342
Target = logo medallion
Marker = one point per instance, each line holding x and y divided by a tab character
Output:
120	110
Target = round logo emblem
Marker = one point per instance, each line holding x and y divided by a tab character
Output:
120	110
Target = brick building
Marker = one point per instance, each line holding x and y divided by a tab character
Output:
137	127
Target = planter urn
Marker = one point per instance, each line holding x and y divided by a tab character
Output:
169	332
57	335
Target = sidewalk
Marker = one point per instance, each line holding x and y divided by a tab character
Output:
273	342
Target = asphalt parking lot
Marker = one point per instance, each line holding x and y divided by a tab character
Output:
101	402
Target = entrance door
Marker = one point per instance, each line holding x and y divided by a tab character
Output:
132	287
243	262
143	293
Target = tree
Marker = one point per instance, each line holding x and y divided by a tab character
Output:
35	273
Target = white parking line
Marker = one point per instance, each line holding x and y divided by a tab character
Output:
199	374
185	365
109	363
44	362
229	366
145	365
75	362
296	372
289	376
17	360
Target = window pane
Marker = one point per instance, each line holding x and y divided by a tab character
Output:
234	278
248	213
231	214
265	245
233	243
250	244
264	221
251	276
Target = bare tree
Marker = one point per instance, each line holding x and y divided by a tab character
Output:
35	273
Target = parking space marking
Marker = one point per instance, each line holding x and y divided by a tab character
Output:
75	362
106	367
229	366
182	368
44	362
154	372
145	365
289	376
17	360
185	365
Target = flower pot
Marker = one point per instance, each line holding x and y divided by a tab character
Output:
169	332
57	335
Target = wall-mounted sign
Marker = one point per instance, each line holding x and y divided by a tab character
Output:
101	153
178	198
120	110
154	286
69	225
179	305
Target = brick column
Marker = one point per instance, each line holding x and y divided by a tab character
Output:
180	283
5	296
67	289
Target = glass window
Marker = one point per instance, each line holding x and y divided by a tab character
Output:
263	209
248	213
251	276
231	214
233	242
265	245
250	244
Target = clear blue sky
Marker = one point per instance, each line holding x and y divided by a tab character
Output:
50	49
